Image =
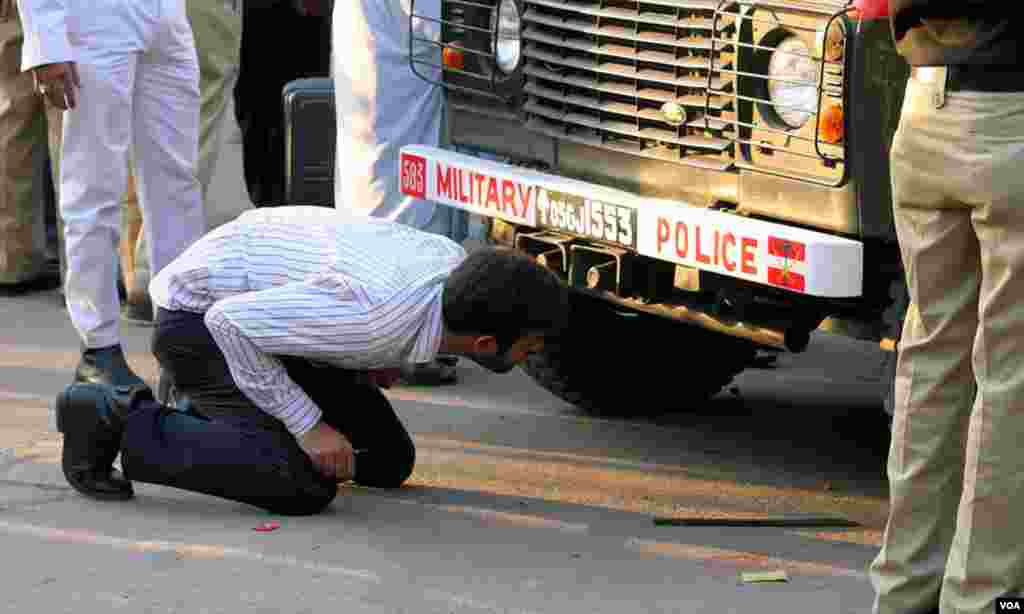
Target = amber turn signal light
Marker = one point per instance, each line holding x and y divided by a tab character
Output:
830	124
453	58
835	42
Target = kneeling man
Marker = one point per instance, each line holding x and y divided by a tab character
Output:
279	328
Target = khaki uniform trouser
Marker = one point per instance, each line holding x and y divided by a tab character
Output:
24	124
217	29
956	464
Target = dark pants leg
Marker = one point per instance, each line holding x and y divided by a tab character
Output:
258	93
227	447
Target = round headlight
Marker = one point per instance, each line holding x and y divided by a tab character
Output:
792	86
507	46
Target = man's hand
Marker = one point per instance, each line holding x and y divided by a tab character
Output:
330	451
58	83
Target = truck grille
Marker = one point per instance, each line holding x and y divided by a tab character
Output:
655	78
601	72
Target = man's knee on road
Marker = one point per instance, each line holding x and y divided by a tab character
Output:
297	488
311	501
387	469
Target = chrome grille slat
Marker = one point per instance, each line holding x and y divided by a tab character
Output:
628	128
688	5
717	103
608	30
619	108
692	5
619	51
623	70
594	9
709	162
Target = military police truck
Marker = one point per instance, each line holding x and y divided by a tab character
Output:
710	177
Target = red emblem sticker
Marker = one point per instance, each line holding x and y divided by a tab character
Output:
790	250
786	278
790	258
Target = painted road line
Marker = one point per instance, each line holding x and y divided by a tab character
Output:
10	395
860	537
738	558
180	549
530	521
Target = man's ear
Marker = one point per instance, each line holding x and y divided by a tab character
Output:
485	344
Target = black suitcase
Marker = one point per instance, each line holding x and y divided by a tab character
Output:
309	141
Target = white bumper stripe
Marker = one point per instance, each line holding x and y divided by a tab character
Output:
777	255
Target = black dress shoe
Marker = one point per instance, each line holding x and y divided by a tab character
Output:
92	418
106	366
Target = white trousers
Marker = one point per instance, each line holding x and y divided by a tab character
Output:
139	96
382	106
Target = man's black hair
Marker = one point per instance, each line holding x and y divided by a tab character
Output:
503	292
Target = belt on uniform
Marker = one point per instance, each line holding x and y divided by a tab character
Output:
979	78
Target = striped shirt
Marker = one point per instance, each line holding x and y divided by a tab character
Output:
358	293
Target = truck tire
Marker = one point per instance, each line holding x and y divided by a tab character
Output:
610	362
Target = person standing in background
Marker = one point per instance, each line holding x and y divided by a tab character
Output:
25	122
381	106
956	470
217	29
125	73
303	29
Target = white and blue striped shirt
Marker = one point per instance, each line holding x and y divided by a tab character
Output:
358	293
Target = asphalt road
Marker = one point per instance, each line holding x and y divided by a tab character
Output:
519	502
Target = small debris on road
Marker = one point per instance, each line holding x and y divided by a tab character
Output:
266	527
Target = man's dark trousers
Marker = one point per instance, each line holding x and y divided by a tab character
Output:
227	447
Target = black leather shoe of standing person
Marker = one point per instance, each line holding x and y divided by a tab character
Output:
92	416
106	366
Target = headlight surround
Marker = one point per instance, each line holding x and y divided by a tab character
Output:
507	46
793	103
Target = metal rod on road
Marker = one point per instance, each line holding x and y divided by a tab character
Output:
756	522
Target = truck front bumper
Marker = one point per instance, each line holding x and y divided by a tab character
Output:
772	254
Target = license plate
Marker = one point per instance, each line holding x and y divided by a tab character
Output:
587	217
